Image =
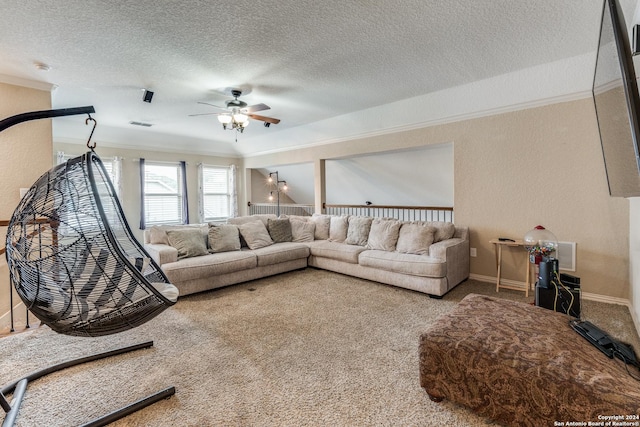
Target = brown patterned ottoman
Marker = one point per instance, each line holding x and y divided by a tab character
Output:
523	365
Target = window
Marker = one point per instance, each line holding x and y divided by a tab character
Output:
164	198
112	165
215	193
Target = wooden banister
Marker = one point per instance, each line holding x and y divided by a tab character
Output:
5	223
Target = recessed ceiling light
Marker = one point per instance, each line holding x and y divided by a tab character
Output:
42	67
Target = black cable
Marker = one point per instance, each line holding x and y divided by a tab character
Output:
626	362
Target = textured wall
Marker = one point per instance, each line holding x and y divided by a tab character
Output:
634	258
543	166
516	170
26	148
26	154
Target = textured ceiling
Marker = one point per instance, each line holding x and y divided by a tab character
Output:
309	60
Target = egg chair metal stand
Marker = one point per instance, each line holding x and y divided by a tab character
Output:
76	265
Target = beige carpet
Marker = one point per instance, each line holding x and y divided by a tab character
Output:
307	348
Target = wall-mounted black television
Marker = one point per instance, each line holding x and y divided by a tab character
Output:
615	94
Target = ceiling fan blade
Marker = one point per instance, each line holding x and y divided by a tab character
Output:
211	105
264	119
203	114
257	107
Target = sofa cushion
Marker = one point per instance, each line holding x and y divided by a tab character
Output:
413	265
224	238
323	223
415	239
384	234
188	242
443	230
255	234
358	230
244	219
338	228
302	231
279	230
281	252
337	251
210	265
296	217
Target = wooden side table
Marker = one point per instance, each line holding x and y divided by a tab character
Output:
498	245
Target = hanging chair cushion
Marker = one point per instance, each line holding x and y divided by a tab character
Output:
167	290
188	242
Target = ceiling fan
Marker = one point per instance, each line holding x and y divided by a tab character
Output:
237	113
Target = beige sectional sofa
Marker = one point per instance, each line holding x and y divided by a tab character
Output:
428	257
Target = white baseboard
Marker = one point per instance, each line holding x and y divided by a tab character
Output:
585	295
19	316
490	279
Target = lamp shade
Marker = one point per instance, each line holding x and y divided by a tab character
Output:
240	118
224	119
540	243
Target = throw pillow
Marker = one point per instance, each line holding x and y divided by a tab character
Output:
242	220
158	235
384	235
302	231
415	239
444	230
255	234
338	228
279	230
188	242
322	223
358	230
223	238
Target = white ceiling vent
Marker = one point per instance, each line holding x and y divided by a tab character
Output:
143	124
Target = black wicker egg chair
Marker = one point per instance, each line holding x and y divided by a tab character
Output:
75	264
73	260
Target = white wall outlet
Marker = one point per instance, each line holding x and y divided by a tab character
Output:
473	252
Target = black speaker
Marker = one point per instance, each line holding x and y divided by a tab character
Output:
561	299
547	272
635	42
147	96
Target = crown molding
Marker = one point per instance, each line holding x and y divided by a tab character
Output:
435	122
32	84
141	147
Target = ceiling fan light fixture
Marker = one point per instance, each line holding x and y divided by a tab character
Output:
240	118
238	114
